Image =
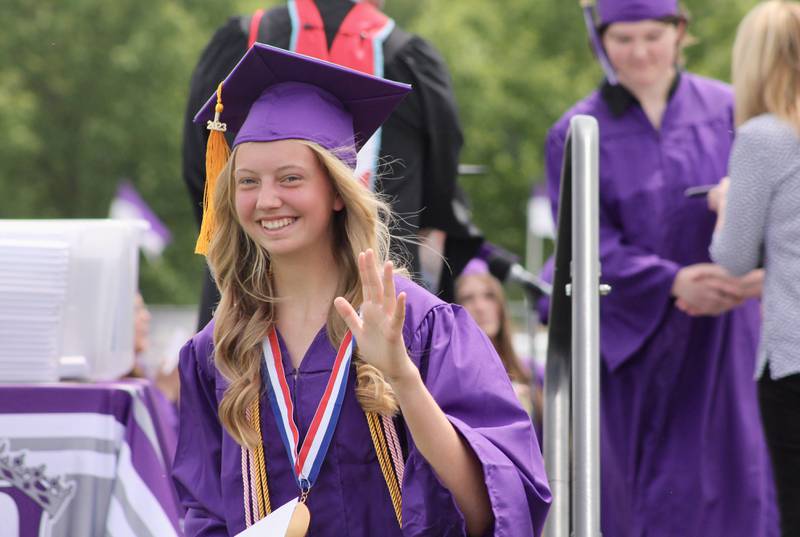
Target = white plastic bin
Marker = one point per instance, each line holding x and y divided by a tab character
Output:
97	324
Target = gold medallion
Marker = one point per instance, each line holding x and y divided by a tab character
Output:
301	519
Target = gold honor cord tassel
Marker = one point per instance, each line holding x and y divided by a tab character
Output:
217	155
301	517
384	460
260	472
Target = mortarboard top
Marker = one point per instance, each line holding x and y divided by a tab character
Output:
273	94
475	266
611	11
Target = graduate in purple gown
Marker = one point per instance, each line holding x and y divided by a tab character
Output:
326	374
681	447
482	295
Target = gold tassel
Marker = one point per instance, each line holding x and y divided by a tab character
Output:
217	154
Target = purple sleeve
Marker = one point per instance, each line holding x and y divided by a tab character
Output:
196	469
466	378
641	281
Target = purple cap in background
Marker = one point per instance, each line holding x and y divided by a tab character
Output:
476	265
635	10
273	94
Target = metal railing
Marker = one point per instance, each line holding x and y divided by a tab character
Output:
572	373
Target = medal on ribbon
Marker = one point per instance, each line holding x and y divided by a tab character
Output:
306	459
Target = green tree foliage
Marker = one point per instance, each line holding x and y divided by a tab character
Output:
94	91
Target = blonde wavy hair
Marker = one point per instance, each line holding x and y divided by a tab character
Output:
766	63
246	311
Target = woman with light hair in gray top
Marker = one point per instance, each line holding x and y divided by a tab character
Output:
759	223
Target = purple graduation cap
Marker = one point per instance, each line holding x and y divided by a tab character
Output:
475	266
635	10
273	94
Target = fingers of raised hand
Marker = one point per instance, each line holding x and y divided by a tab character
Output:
381	307
349	314
389	300
370	280
399	316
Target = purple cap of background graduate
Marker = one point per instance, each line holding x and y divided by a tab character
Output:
476	265
635	10
273	94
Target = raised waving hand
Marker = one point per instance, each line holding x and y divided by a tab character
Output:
379	329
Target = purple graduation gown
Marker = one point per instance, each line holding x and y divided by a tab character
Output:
682	448
460	369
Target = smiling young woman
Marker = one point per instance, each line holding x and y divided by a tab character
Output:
284	199
326	375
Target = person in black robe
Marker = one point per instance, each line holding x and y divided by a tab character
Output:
420	143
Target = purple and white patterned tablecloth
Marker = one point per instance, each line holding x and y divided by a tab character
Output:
85	460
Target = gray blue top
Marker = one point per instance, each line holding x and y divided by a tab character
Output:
763	215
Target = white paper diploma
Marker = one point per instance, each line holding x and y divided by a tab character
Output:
274	524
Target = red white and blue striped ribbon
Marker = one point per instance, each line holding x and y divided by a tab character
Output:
306	459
